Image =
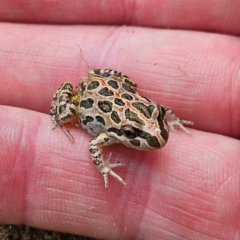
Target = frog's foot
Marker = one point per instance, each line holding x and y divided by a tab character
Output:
64	107
106	169
175	123
66	131
178	124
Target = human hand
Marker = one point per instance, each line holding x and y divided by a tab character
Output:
190	188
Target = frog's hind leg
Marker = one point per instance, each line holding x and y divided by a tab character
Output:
64	107
175	123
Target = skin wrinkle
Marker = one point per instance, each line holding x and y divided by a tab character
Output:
175	190
171	220
21	149
30	160
234	85
137	203
190	216
185	226
110	41
88	198
194	215
226	180
180	209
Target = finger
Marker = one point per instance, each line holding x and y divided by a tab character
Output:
48	182
219	16
194	74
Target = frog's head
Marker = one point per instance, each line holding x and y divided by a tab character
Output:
141	132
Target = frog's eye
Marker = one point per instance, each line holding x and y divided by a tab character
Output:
129	131
75	102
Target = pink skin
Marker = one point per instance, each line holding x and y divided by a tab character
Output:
187	190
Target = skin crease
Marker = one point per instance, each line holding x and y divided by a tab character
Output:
187	190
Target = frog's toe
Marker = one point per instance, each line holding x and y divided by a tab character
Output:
107	170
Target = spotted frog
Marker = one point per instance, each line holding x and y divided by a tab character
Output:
107	105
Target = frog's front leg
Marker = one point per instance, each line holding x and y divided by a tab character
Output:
64	107
175	122
104	166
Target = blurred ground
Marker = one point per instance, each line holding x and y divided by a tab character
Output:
22	232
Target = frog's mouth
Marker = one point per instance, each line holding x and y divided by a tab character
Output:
139	138
162	123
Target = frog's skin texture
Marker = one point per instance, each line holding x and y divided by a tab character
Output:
107	105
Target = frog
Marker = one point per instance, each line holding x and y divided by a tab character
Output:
107	105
